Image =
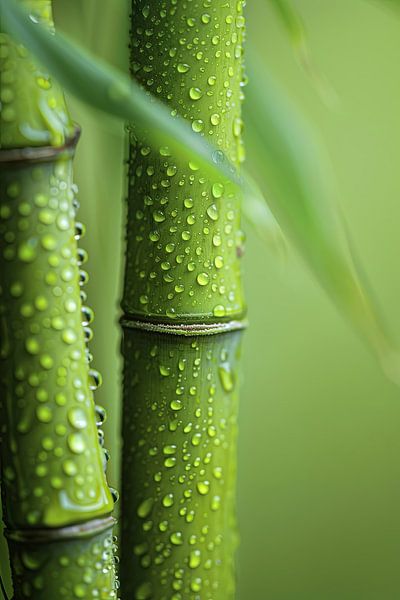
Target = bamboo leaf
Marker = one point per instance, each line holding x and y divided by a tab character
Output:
295	28
301	193
3	589
105	88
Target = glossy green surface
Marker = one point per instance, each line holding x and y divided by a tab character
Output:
32	105
183	233
178	531
52	460
52	464
66	569
184	244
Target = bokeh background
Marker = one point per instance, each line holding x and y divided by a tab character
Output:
319	447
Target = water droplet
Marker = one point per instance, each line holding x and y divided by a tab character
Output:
69	336
217	472
79	591
195	559
215	503
30	561
95	379
44	414
158	216
217	190
203	279
219	262
27	251
237	127
145	508
32	346
198	125
195	585
101	415
76	443
70	468
164	371
212	212
77	418
169	449
46	362
168	500
226	377
176	538
49	242
144	591
203	487
219	311
183	68
195	93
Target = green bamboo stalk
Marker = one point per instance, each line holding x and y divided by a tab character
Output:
56	500
183	312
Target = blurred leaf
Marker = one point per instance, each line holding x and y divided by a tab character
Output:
3	589
301	192
107	89
258	214
295	28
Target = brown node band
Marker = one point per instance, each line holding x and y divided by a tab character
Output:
61	534
38	154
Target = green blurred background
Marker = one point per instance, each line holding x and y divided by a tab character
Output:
319	448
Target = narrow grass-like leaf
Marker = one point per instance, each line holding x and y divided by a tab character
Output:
3	589
301	193
295	28
108	90
105	88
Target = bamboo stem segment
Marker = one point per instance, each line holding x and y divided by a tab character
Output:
65	563
179	425
183	311
56	501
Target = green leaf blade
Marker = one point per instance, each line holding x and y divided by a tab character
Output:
301	192
105	88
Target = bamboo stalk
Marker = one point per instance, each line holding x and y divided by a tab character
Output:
183	312
56	500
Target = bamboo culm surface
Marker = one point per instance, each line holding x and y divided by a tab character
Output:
183	312
56	501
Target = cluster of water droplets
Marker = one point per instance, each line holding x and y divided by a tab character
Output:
180	415
52	466
70	570
184	234
32	105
